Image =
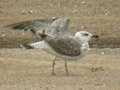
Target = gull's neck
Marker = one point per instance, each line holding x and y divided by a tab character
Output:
85	44
81	41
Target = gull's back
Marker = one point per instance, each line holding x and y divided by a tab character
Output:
67	46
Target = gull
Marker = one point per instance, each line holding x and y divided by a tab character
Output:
67	47
57	40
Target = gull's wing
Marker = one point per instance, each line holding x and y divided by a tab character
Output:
67	46
56	26
32	25
59	27
28	24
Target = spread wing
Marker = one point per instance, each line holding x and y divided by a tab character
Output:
28	24
67	46
32	25
57	26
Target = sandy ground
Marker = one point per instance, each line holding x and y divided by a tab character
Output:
31	70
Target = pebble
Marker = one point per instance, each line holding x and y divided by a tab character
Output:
3	35
103	53
83	2
30	12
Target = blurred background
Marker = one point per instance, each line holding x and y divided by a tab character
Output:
99	17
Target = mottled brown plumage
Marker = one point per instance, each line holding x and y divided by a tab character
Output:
67	46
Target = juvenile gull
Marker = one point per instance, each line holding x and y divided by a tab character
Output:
57	40
67	47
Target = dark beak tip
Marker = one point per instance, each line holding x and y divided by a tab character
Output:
95	36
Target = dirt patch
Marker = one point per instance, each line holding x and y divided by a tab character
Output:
31	70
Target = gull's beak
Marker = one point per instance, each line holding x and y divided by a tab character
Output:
95	36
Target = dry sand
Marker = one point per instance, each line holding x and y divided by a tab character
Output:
31	70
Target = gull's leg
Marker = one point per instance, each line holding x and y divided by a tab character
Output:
53	65
66	68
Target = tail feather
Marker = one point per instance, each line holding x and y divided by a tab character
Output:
26	46
35	45
40	44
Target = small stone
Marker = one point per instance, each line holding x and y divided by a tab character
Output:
83	2
84	27
75	11
30	12
81	89
95	69
24	12
3	35
103	53
106	12
53	18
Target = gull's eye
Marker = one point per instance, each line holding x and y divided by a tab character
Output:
85	34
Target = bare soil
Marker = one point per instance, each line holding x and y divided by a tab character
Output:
31	70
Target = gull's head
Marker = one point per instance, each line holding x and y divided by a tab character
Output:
85	36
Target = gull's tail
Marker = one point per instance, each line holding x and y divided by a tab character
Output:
35	45
26	46
39	44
